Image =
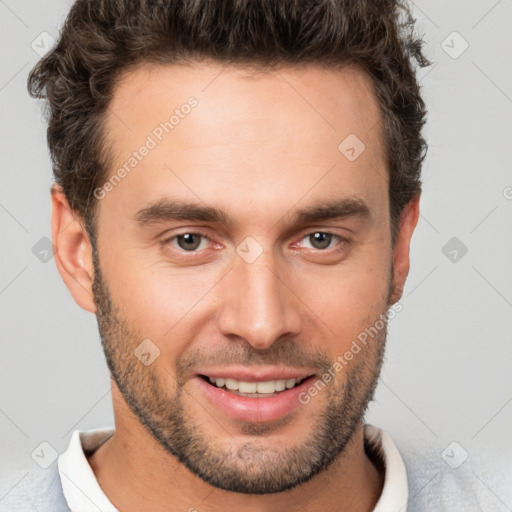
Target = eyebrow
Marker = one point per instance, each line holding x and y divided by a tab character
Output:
179	210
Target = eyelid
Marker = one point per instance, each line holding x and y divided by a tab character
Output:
167	240
342	239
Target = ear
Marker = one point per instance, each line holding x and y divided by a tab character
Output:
73	251
407	224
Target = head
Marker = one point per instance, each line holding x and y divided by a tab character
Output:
237	189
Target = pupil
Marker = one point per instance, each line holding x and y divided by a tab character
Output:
321	240
189	243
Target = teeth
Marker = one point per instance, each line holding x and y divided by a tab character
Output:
231	384
280	385
247	387
264	387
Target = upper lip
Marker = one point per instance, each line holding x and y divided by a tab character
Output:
256	374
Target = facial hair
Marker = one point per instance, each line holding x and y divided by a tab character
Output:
253	467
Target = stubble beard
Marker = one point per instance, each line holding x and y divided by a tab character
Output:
252	467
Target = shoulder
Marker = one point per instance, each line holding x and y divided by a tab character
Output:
32	489
446	476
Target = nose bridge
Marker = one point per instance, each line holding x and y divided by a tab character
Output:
256	304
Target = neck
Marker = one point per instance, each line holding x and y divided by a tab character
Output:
136	473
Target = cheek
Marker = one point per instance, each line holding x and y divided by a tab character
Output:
161	302
172	305
344	302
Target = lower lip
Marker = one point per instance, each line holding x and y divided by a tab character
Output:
254	409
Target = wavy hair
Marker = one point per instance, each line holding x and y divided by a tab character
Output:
101	39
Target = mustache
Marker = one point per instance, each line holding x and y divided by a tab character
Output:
286	353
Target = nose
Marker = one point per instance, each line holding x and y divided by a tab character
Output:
257	303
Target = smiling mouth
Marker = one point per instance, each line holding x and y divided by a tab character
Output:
259	389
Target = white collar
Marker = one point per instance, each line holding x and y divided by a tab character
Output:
395	492
83	492
79	484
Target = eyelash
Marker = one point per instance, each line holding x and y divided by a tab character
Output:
342	241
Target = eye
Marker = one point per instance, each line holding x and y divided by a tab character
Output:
321	240
187	241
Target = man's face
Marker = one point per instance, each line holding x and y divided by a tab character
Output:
257	293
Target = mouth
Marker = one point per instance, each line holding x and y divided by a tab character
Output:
256	389
253	400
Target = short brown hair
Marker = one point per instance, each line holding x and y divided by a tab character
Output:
102	38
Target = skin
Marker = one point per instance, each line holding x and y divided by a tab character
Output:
258	146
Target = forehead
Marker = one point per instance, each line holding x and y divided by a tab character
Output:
256	137
331	98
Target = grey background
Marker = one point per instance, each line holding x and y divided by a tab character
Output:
447	374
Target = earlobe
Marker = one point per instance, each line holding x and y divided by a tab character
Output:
407	224
73	251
